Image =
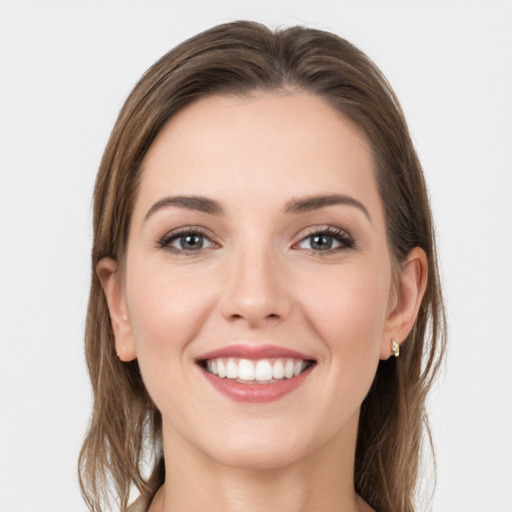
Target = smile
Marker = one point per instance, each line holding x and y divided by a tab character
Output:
262	371
248	373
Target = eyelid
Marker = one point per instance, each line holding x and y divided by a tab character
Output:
164	241
342	236
345	239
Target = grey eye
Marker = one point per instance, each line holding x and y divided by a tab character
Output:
187	242
319	242
191	242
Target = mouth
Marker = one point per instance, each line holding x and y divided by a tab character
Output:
255	374
261	371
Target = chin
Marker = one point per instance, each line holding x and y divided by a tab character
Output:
259	457
262	447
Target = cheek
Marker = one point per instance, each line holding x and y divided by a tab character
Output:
167	308
348	310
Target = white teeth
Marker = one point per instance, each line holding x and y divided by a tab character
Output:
232	369
246	370
288	369
221	369
278	370
261	371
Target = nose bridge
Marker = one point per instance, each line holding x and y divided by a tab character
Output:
255	290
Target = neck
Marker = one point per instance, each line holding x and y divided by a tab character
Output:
319	481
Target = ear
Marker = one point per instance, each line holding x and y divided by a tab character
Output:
111	281
405	300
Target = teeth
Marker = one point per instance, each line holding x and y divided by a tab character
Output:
278	370
231	370
246	370
288	369
261	371
221	369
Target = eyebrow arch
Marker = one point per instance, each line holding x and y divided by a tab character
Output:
309	203
198	203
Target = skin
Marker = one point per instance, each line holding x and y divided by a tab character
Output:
258	279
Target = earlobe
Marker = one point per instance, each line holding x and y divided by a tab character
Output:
111	282
409	293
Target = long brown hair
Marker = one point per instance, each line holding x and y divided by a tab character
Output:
239	58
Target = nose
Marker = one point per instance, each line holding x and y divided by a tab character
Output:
257	290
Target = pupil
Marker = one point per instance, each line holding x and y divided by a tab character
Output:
192	241
322	242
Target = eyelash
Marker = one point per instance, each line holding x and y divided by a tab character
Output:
165	242
339	235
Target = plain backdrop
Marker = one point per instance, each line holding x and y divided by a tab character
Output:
66	68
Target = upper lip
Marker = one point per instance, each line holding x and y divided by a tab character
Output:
244	351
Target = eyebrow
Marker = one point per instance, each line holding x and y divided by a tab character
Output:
198	203
302	205
311	203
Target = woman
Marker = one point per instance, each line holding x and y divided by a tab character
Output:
265	316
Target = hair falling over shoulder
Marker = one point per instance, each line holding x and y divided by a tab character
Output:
122	449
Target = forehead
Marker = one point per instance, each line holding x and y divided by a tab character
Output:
262	148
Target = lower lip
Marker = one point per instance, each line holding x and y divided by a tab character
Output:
256	393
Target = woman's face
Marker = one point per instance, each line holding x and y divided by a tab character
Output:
257	247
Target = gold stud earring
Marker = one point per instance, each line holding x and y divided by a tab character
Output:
395	348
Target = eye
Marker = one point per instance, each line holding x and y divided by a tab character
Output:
186	241
319	242
328	240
